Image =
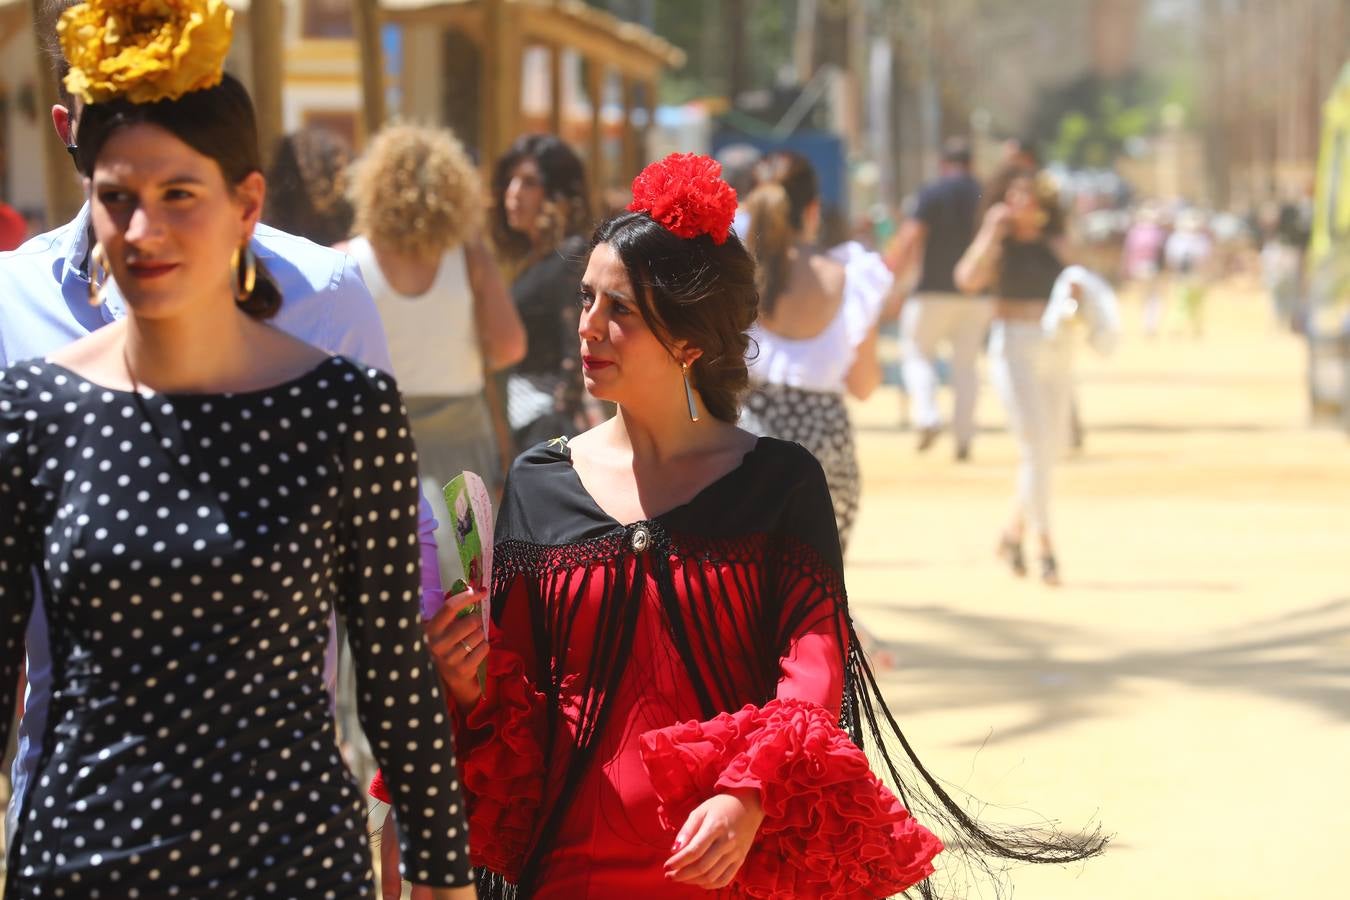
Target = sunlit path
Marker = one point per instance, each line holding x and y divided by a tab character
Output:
1189	686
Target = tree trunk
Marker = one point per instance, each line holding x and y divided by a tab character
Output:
1115	31
1214	39
366	19
266	30
734	12
804	41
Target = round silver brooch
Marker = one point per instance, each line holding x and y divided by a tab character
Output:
642	538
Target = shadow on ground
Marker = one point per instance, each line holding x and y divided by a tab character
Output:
1299	657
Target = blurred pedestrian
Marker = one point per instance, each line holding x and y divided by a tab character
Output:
541	214
937	314
1189	254
13	227
1282	263
225	486
307	186
816	336
739	162
1020	153
1017	256
418	205
1142	257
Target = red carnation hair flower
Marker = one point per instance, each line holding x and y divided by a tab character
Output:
685	193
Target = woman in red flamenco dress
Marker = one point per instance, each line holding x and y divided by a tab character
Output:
675	700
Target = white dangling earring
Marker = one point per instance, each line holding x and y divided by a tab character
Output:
689	394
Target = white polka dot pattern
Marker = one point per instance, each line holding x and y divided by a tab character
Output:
191	549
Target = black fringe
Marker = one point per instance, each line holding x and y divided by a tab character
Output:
799	586
972	848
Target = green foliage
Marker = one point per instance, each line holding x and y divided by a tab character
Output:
699	28
1090	121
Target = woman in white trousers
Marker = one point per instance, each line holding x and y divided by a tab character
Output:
1016	256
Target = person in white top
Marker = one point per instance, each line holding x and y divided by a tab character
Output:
1189	254
419	210
816	337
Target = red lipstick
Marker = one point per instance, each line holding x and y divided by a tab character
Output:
147	270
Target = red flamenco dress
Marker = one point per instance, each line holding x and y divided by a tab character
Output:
637	670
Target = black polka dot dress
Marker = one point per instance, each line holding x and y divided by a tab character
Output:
190	550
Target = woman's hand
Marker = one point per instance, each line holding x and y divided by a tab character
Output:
459	893
715	839
976	269
391	882
458	646
998	218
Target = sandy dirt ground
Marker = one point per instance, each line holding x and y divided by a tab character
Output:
1188	687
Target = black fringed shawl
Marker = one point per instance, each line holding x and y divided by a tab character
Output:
768	530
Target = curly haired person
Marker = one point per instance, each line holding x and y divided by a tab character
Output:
450	320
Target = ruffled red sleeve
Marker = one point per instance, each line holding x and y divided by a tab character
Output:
503	766
831	829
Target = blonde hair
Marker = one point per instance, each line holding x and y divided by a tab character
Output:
416	191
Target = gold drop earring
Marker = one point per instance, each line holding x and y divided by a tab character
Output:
98	275
689	393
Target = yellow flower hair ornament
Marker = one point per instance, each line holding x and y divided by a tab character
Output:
144	50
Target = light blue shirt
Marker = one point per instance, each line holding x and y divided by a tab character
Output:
44	305
44	296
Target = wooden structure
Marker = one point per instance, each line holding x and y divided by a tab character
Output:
485	43
14	17
265	29
471	54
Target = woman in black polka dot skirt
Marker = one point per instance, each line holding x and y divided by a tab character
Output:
816	337
194	492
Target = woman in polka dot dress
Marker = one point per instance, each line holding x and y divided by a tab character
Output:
194	492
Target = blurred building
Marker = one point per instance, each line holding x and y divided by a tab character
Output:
1269	66
321	87
490	69
495	69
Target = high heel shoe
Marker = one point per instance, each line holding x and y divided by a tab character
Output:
1010	551
1050	571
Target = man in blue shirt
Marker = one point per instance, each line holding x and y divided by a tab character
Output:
933	239
44	305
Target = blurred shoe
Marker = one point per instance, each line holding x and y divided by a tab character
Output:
1010	551
1050	571
963	453
928	437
